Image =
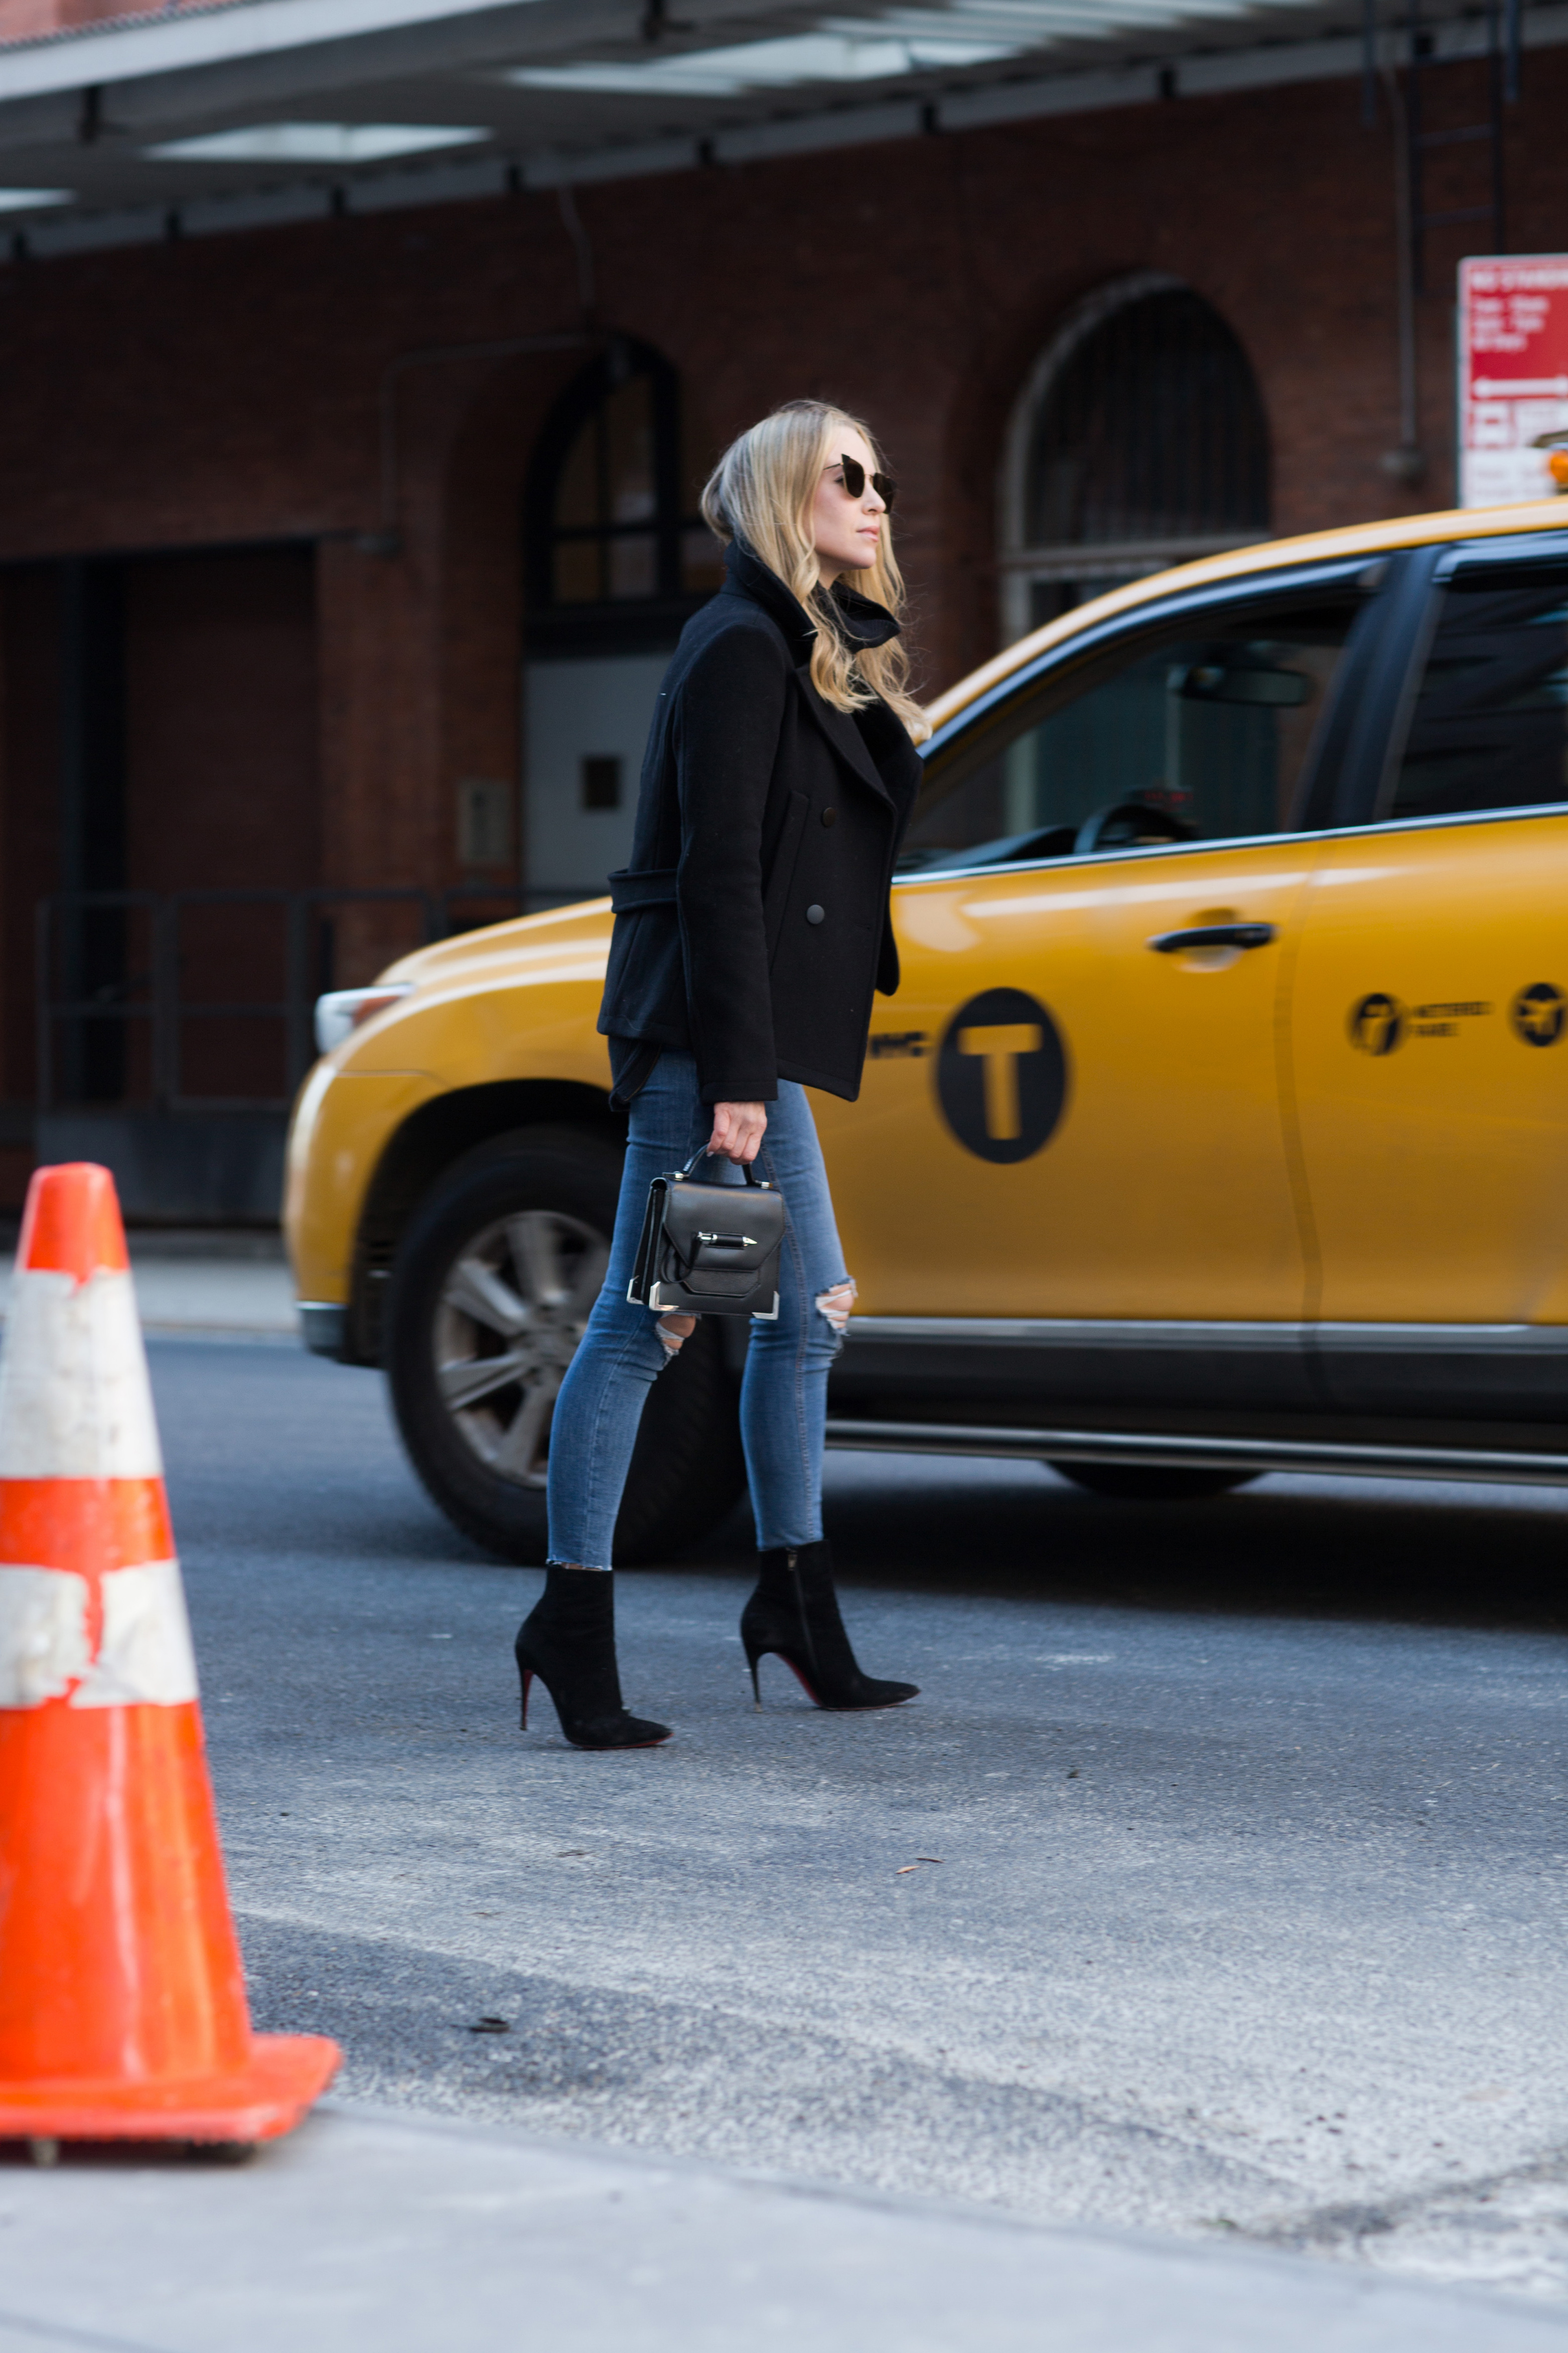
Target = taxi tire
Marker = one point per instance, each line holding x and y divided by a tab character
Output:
687	1471
1152	1483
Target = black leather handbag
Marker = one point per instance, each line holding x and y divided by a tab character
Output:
710	1250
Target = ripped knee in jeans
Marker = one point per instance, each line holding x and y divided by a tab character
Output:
672	1330
836	1303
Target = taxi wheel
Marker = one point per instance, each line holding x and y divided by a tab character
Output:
493	1283
1152	1483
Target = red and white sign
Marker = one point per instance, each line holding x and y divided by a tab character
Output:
1513	375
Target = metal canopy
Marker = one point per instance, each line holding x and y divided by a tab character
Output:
230	115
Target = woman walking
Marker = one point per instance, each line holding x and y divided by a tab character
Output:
751	928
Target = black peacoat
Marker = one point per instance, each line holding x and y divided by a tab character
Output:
753	923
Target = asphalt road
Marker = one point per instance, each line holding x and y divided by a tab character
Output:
1245	1839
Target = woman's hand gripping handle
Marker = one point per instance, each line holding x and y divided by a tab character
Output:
737	1131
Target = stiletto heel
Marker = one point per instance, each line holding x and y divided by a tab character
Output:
568	1640
793	1614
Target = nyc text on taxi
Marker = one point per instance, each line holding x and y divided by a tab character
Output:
1220	1123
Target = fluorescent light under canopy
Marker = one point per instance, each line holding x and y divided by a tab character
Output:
773	65
317	142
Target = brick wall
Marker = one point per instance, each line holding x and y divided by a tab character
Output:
237	390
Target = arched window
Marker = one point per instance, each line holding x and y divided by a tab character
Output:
617	558
616	552
1141	441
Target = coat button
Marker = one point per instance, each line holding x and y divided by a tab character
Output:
830	816
816	914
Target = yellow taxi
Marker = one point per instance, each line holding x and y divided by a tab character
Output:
1220	1123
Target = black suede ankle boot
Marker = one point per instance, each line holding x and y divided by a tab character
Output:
568	1640
794	1613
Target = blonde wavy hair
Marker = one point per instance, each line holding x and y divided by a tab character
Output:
762	492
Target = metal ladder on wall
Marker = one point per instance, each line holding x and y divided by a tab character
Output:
1484	140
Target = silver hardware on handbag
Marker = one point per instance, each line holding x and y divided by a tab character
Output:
684	1264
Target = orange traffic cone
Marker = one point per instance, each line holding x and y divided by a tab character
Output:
123	2008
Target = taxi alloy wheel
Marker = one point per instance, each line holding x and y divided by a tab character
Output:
510	1313
493	1282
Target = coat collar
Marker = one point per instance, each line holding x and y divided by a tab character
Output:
864	622
748	575
861	620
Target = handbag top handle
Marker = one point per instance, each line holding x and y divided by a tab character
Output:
752	1178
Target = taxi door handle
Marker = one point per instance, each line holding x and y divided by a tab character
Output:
1213	935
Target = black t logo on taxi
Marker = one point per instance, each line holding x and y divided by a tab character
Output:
1376	1024
1538	1013
1001	1075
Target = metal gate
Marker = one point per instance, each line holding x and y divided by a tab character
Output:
173	1028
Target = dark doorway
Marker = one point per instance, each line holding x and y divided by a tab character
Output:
158	736
222	787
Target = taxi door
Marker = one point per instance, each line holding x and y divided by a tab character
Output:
1431	1002
1072	1108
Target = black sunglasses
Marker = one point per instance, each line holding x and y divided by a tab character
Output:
884	485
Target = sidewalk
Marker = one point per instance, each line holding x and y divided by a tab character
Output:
208	1283
372	2231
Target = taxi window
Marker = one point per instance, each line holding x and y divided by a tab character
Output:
1490	725
1183	734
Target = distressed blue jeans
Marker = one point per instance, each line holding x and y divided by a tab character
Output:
784	1396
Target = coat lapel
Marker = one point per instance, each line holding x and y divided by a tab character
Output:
749	577
844	736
